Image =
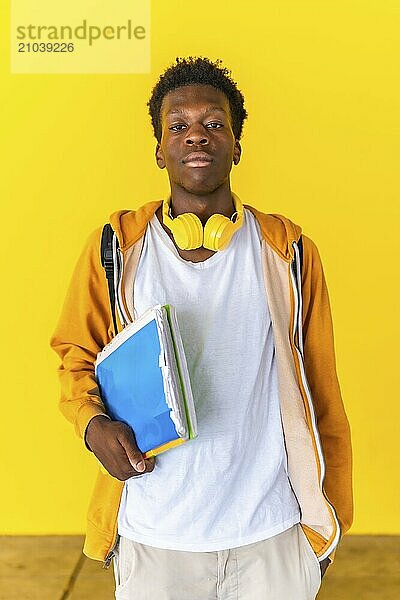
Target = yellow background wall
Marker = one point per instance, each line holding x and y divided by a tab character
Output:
321	145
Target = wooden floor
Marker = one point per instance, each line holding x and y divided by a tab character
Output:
54	568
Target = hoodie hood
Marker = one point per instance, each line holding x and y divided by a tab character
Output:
278	231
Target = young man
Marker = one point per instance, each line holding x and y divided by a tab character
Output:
255	506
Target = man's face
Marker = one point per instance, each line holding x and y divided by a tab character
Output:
197	145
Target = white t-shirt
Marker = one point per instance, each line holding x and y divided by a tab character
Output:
229	486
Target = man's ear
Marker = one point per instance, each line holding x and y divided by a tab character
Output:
159	157
237	152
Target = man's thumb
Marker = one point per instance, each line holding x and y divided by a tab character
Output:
134	455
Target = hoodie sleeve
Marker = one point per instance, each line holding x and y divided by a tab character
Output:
83	329
320	366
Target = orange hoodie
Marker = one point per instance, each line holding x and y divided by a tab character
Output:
316	430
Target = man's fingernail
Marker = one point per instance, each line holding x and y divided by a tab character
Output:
140	466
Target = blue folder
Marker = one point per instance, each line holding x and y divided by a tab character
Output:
133	371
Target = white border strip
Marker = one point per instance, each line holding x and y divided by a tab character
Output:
118	271
116	277
298	322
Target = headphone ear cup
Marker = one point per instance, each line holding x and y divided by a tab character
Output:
217	232
187	230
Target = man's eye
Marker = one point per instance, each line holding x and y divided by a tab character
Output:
177	125
180	126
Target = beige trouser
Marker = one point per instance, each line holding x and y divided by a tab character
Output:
283	567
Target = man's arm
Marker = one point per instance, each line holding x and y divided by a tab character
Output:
84	328
82	331
320	367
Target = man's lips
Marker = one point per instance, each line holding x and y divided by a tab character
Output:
197	159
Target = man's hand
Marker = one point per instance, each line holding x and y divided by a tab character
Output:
114	444
323	565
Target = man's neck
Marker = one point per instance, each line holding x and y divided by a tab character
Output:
220	201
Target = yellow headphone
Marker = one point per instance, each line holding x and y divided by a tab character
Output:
188	232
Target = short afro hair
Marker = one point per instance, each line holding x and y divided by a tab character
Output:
197	70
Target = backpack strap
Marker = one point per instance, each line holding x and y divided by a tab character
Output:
107	261
300	247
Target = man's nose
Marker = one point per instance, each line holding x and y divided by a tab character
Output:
197	135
